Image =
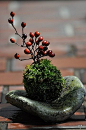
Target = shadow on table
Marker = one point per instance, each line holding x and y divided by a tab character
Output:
18	116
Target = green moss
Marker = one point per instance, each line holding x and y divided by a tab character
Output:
42	81
69	94
74	83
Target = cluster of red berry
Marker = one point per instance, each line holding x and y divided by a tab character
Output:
35	46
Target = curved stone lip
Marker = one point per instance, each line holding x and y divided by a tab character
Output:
54	112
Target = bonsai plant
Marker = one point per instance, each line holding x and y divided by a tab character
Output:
46	90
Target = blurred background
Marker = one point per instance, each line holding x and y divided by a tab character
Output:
63	23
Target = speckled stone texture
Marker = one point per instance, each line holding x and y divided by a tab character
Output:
60	109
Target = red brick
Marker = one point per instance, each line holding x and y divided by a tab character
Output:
81	49
1	89
85	91
84	77
81	53
79	113
18	126
2	64
73	123
67	124
9	51
4	4
68	40
20	65
85	87
11	78
74	62
3	119
85	96
16	78
16	88
67	72
59	52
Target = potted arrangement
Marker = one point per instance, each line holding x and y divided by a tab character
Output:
47	94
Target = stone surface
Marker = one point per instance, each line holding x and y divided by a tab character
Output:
59	110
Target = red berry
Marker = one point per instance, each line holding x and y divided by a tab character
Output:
24	36
47	43
31	40
43	53
12	40
10	20
52	55
40	47
28	44
23	24
27	51
45	48
17	56
37	42
44	42
31	34
49	52
40	39
12	14
37	34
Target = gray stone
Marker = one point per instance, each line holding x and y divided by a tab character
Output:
60	109
3	126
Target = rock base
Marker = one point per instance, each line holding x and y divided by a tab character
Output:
60	109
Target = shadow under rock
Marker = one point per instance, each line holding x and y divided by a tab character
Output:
16	115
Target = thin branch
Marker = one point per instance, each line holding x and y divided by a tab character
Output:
25	59
18	44
35	53
16	31
22	30
42	55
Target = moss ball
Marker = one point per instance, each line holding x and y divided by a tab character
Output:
42	81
